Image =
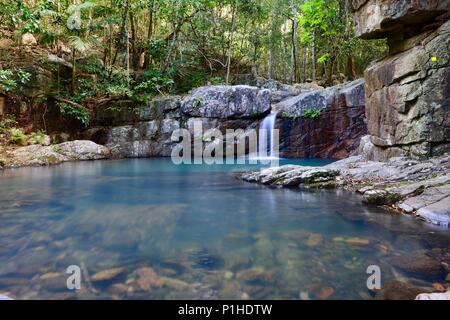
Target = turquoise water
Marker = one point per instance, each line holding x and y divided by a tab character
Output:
190	232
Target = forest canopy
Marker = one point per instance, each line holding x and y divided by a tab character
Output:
138	48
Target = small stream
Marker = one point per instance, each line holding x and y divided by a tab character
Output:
190	232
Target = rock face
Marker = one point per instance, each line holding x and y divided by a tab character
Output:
408	92
37	155
145	130
335	134
381	18
227	102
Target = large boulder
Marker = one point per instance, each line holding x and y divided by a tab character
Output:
381	18
143	139
38	155
226	102
407	92
335	134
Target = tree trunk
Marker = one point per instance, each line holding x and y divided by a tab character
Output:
294	54
134	60
304	62
351	72
272	44
313	57
230	44
124	32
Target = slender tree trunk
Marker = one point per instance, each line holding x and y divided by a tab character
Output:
124	32
284	56
272	44
151	9
294	54
313	56
74	71
134	59
230	44
351	66
304	62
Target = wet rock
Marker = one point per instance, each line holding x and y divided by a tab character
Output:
53	281
420	264
239	262
148	279
106	275
437	213
336	133
380	197
397	290
206	260
174	283
314	240
226	102
255	275
118	288
355	241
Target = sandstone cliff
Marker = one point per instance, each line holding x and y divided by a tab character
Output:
408	92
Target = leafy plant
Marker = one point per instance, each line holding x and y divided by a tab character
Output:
311	114
75	111
10	79
7	123
17	136
38	137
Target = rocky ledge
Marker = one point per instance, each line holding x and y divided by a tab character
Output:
419	188
39	155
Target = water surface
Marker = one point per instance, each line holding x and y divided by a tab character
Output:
196	231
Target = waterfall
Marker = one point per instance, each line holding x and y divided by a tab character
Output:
266	136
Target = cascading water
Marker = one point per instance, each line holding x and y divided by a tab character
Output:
266	137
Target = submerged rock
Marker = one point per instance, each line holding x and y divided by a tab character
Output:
420	264
107	275
148	279
397	290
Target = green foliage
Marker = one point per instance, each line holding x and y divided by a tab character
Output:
75	111
37	137
7	123
17	136
311	114
10	79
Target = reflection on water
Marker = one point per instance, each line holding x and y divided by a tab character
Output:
158	231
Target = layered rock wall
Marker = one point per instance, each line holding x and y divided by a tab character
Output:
408	92
335	134
145	131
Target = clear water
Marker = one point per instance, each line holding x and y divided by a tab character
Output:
203	233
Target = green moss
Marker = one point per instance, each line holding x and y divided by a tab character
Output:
383	198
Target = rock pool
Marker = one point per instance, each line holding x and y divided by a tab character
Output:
147	229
